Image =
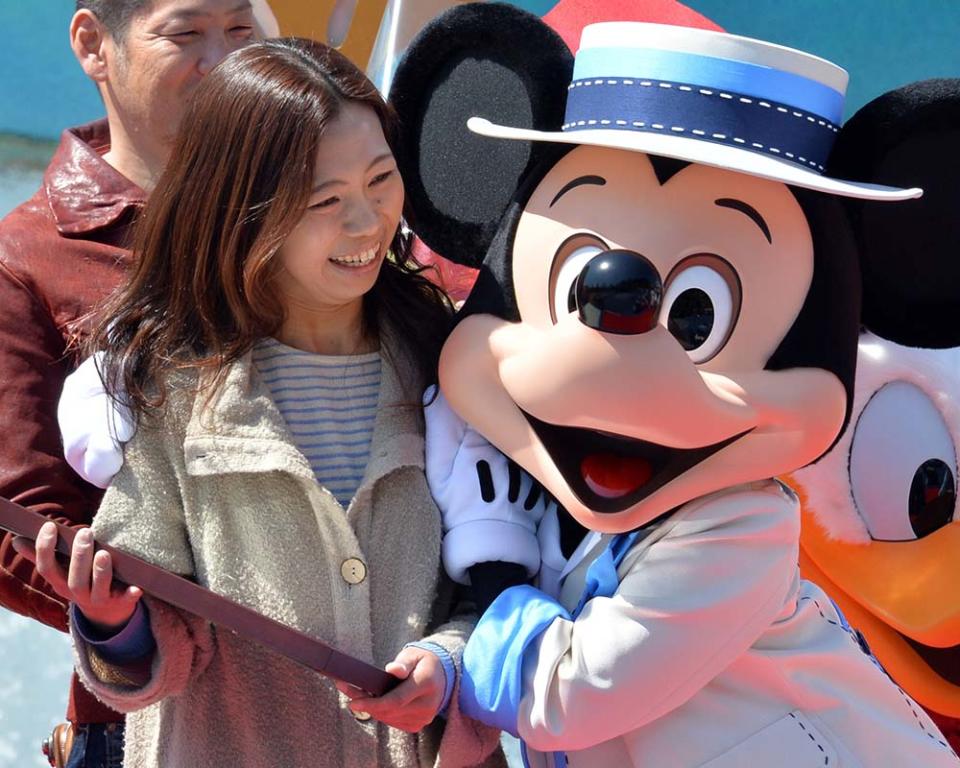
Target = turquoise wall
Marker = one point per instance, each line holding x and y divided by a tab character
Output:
42	88
883	43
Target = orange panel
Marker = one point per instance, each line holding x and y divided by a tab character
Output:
310	18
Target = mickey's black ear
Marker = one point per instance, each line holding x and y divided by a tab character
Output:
490	60
910	251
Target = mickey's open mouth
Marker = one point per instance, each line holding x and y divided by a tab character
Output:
944	661
609	473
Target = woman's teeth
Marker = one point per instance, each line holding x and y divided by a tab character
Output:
358	259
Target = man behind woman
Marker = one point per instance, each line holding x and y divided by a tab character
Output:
270	254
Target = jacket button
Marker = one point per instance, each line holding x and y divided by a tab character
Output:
353	570
362	716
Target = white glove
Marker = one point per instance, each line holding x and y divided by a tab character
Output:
483	497
93	425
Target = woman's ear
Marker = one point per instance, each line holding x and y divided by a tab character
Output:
485	59
909	250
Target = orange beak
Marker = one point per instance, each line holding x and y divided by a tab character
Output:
895	592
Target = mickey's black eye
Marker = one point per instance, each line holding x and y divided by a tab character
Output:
933	496
571	257
701	305
690	318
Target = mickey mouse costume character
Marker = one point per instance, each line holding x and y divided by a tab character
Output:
879	529
665	316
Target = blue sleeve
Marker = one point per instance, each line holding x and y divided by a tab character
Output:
132	642
491	681
449	670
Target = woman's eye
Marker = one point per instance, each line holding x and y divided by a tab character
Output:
902	465
241	31
380	178
701	306
563	289
186	34
328	203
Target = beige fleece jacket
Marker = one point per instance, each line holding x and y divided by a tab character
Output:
217	490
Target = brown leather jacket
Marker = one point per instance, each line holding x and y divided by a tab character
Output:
61	253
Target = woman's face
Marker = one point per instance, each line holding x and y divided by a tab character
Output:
333	256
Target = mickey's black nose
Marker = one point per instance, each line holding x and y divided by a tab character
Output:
619	292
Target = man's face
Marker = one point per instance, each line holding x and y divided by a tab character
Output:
166	50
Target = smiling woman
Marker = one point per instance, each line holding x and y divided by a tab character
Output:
273	341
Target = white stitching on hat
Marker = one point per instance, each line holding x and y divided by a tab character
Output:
699	132
708	92
604	122
739	141
677	128
622	122
658	126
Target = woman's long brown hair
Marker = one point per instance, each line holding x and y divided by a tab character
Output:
237	183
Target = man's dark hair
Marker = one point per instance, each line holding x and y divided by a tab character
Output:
114	14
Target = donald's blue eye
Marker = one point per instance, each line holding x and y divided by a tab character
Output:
902	465
933	495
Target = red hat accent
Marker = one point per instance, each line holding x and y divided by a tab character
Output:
568	17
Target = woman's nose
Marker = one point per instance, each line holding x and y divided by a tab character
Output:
619	291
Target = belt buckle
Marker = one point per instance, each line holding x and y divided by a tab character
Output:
56	747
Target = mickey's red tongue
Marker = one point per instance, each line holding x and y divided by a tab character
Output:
613	476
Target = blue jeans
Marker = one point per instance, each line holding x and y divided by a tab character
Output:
97	746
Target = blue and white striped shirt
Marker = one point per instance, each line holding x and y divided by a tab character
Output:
329	403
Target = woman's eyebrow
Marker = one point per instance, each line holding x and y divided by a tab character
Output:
748	210
598	180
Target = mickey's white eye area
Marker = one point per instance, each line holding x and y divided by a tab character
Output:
571	257
701	305
903	465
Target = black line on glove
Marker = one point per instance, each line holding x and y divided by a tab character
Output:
487	492
532	497
513	491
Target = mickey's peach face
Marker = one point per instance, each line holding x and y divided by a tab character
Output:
635	380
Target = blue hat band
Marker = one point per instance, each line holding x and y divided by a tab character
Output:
701	112
754	81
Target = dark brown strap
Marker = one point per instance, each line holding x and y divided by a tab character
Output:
191	597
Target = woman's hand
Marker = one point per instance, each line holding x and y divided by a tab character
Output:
414	703
88	581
